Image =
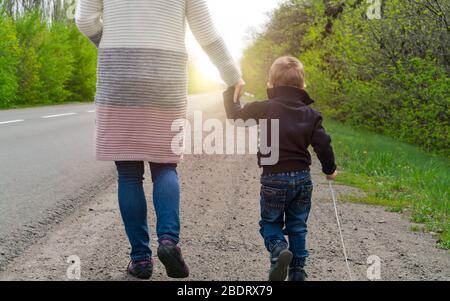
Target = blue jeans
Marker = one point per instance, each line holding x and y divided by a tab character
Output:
133	204
285	207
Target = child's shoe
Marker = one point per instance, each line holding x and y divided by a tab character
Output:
170	255
297	274
280	259
142	269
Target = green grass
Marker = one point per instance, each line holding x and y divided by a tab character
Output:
396	175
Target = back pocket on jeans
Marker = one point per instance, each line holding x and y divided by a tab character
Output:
304	196
273	198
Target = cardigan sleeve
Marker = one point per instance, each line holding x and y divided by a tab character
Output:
89	19
202	26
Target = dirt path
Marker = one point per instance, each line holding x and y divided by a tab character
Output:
220	238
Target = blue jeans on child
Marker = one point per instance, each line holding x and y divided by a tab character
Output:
133	204
285	207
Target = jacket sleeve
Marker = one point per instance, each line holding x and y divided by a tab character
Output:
89	19
202	26
255	110
321	143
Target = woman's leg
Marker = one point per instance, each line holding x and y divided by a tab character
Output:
166	199
133	207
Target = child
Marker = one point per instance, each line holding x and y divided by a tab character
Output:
286	186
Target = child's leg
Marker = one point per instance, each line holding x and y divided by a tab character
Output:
133	208
166	199
272	216
275	191
296	223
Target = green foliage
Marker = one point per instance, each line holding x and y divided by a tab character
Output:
9	60
56	60
82	84
421	104
30	32
44	62
388	75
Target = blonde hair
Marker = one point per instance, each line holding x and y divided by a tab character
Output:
287	71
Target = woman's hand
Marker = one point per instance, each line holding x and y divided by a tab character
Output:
238	90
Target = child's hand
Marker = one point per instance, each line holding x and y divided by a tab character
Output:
333	176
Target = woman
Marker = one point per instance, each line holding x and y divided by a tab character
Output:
141	90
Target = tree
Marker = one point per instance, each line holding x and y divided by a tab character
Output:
31	33
56	60
9	60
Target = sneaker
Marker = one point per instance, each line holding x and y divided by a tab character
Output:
281	258
142	269
297	274
170	255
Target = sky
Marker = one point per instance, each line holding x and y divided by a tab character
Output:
234	19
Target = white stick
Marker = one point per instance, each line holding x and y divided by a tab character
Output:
340	230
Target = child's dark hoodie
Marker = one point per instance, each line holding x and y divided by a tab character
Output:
300	126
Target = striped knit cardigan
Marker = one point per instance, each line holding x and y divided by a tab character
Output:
142	72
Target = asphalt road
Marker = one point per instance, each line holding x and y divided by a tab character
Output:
47	168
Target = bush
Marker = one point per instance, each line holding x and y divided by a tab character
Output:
82	84
56	59
31	33
9	60
421	104
44	62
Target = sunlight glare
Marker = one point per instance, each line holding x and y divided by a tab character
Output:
200	60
